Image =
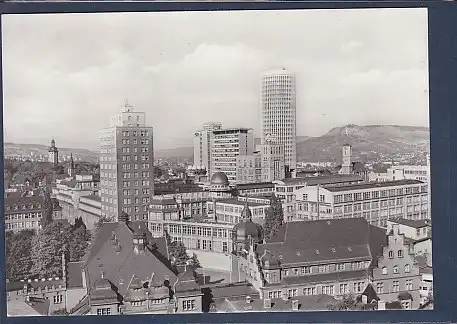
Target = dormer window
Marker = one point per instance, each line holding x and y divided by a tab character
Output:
384	270
400	253
135	241
267	263
407	269
391	254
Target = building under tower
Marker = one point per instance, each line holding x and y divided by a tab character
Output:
278	112
126	165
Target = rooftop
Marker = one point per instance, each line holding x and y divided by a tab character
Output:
411	222
305	304
119	264
323	180
37	307
375	185
316	241
235	201
92	197
259	185
24	201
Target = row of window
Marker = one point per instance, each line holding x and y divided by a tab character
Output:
23	216
395	287
396	269
135	142
24	207
143	133
378	194
199	231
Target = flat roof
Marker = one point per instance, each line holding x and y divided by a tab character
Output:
322	180
375	185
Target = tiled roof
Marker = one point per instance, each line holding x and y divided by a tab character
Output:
233	291
74	275
70	184
187	284
375	185
322	278
316	241
411	222
119	267
19	285
41	305
18	307
12	201
163	201
305	304
323	180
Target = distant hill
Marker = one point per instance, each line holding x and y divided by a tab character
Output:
14	149
257	140
176	152
367	142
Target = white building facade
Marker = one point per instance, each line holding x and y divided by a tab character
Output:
202	145
278	112
126	165
227	145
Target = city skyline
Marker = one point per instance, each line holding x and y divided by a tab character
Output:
341	70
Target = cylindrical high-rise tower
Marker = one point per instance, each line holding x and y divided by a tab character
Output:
278	112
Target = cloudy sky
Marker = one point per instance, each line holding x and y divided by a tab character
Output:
65	75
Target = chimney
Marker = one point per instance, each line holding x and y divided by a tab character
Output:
381	305
267	303
295	305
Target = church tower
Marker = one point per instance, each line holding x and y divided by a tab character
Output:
346	166
53	153
72	167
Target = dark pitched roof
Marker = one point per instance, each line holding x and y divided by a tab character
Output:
370	293
316	241
233	291
358	167
74	275
41	305
19	201
375	185
118	267
305	304
187	283
69	183
411	222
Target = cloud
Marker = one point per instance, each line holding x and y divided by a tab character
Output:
65	75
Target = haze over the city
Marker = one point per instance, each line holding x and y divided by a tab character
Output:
65	75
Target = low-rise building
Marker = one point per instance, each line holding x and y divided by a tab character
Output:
255	189
376	202
286	189
23	212
397	276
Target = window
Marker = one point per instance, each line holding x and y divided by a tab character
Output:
358	286
188	305
391	254
309	291
292	293
396	286
400	253
58	299
384	270
407	268
104	311
395	269
380	288
328	290
344	289
409	284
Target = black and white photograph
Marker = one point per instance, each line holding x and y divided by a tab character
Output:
217	162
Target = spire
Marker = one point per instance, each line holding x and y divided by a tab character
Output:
72	162
246	214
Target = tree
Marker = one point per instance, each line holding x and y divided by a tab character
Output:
274	218
177	253
51	242
348	302
194	262
18	255
48	209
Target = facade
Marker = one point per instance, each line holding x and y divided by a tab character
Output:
53	153
414	172
255	189
285	189
349	166
249	168
23	212
273	162
202	145
397	275
126	165
376	202
228	210
278	112
227	145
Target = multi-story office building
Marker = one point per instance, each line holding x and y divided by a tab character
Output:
278	112
376	202
126	165
229	210
285	189
227	145
202	145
